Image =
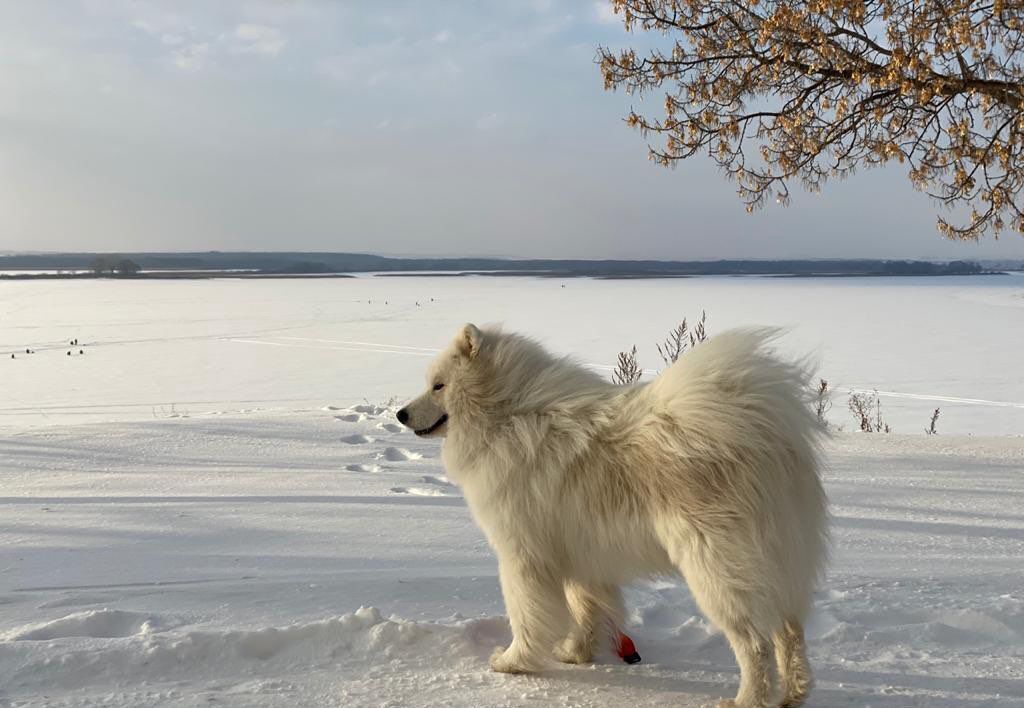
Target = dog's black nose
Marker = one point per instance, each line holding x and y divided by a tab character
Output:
403	416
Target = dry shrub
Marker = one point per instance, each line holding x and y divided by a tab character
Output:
822	401
867	409
627	370
681	338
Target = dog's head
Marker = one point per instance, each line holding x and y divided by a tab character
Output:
449	379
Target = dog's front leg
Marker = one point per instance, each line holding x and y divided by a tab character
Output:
537	612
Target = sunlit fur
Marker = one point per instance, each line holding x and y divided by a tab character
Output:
711	471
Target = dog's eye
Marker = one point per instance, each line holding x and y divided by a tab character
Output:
438	386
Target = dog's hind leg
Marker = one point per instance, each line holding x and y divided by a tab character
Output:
794	669
535	602
736	611
596	611
757	669
742	610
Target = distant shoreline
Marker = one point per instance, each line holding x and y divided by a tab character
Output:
220	275
678	276
169	275
257	265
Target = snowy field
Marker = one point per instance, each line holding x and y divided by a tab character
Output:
213	504
155	349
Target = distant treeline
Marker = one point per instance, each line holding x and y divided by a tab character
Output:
322	263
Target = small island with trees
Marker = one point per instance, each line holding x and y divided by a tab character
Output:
114	266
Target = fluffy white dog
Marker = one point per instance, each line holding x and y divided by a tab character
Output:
710	470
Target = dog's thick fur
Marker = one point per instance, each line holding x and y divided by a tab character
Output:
711	471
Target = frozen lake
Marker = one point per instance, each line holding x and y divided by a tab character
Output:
160	348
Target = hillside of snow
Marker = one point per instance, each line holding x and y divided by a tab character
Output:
322	558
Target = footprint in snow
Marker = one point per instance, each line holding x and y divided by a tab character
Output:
351	417
357	439
420	491
369	409
391	427
101	624
362	468
439	481
398	454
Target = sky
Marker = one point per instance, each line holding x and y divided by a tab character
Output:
395	127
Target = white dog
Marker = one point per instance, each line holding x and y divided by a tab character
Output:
710	470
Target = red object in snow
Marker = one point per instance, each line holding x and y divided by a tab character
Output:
627	650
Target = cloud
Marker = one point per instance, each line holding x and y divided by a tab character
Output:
192	57
605	14
342	67
193	47
488	122
188	50
257	39
443	36
369	64
158	24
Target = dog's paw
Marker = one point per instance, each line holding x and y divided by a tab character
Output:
505	662
569	651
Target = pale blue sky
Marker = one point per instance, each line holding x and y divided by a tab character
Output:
397	127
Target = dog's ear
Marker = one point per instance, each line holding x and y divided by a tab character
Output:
469	340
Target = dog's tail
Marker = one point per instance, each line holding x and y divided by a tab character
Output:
738	370
742	409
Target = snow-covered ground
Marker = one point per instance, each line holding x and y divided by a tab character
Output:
159	348
213	505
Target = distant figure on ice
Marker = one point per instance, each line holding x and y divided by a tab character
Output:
81	351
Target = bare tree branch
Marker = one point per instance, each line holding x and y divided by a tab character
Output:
808	90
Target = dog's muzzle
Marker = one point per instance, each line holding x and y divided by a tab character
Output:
436	424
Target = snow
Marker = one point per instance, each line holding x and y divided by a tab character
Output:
188	520
161	348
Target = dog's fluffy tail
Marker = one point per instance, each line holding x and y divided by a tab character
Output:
746	410
738	371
